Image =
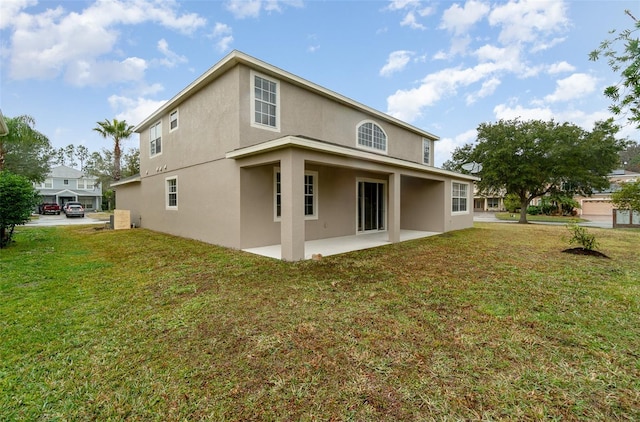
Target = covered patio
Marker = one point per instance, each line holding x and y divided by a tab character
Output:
343	244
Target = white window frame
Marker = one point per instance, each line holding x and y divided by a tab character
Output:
153	152
167	192
275	128
48	183
426	151
276	194
171	120
454	196
372	147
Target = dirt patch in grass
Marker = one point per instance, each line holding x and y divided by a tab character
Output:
585	252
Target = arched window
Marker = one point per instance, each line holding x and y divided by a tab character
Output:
370	135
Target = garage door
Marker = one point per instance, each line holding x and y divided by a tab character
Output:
591	207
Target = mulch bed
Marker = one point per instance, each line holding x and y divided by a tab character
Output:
583	251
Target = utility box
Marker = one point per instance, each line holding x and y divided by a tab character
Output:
121	220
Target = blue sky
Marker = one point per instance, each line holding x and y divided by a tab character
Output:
444	67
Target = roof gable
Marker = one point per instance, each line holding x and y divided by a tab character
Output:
66	172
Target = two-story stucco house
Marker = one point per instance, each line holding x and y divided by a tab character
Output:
252	157
65	184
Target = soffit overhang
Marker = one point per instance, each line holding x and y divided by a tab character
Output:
334	149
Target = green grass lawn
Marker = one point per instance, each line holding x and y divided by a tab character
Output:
493	322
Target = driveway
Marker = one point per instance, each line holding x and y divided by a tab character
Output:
61	220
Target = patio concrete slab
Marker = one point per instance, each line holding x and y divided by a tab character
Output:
338	245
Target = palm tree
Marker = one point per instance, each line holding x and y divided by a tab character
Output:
119	130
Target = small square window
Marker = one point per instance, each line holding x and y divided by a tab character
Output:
173	120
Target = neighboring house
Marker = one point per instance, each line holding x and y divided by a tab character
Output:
597	204
600	202
249	156
65	184
488	202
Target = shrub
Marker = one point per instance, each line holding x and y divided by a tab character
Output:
580	236
533	210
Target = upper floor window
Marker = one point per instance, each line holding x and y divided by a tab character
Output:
48	183
265	104
370	135
155	139
459	195
173	120
426	151
85	184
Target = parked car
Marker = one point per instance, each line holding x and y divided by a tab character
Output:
74	210
66	206
49	208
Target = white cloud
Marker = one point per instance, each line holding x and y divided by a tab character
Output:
242	9
411	21
10	10
413	9
408	104
55	42
527	20
91	72
575	86
133	110
446	146
541	45
503	111
170	58
396	62
560	67
488	88
402	4
222	34
459	19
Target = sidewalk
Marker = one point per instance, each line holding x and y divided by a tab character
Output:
599	221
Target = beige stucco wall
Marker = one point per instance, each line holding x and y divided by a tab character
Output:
462	220
303	113
421	203
208	203
207	129
128	197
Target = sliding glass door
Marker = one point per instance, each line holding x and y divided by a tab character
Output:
371	206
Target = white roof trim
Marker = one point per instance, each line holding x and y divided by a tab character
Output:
237	57
293	141
126	181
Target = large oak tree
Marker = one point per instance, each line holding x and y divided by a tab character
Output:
534	158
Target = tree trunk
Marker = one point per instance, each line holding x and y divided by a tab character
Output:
523	211
116	160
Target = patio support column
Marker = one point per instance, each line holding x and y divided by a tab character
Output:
292	196
394	208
